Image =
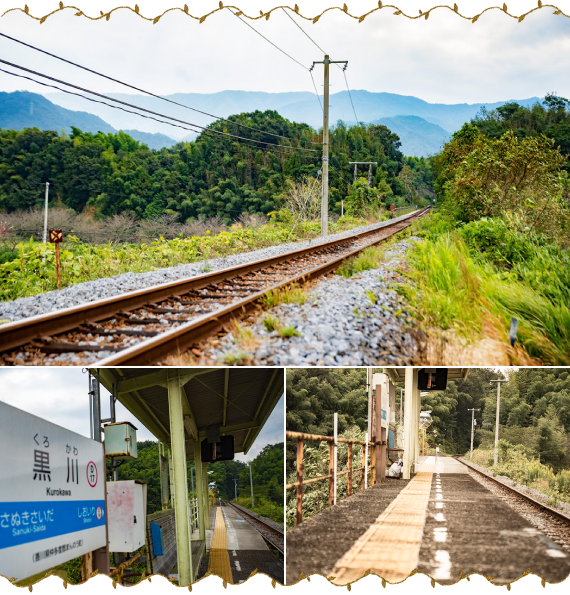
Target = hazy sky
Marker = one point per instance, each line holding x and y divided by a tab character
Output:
60	395
445	59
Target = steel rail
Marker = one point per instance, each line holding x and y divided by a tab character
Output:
274	532
23	332
560	515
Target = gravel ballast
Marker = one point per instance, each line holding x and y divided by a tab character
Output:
353	321
90	291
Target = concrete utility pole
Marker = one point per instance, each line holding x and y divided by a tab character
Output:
235	486
325	196
45	217
369	163
251	484
497	418
472	428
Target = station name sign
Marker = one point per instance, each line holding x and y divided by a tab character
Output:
52	494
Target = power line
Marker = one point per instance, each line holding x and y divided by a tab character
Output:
303	30
141	90
282	51
323	51
350	97
204	128
268	40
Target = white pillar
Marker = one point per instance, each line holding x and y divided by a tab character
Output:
408	416
178	444
418	400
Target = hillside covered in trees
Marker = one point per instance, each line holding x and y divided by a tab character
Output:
213	176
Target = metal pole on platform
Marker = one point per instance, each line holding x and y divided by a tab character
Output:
366	462
178	446
335	453
199	490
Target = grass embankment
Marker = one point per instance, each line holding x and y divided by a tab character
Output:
515	462
470	281
27	274
263	506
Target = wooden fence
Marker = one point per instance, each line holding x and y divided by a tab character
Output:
301	438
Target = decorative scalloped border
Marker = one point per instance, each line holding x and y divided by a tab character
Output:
315	19
422	14
330	579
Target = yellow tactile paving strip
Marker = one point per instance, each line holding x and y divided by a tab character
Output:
390	547
219	563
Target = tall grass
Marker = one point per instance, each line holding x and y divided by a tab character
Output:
516	463
456	289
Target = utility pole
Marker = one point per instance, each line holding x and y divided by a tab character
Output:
369	163
251	484
46	217
235	486
325	196
497	418
472	428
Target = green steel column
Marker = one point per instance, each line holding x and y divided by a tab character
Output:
199	490
206	495
178	449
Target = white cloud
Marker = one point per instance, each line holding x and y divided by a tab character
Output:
445	59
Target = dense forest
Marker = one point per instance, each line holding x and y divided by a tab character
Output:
213	176
267	473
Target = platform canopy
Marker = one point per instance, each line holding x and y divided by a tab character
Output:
399	374
237	400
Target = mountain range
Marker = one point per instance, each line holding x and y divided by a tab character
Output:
423	127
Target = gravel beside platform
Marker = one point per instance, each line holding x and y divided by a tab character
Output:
111	286
314	546
353	321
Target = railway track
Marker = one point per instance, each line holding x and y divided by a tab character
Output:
146	326
272	535
553	522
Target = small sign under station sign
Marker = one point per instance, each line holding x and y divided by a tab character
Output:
52	500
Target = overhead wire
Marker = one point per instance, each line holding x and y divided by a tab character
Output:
33	47
204	128
326	53
282	51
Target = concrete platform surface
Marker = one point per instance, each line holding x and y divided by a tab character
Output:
468	529
443	464
314	546
246	549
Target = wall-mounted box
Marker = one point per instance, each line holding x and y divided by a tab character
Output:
121	440
126	505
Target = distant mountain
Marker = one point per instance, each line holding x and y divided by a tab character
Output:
22	109
27	110
152	140
298	107
419	137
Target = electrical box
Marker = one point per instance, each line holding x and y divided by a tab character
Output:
126	505
121	440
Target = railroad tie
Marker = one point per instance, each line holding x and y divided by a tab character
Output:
219	563
390	547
